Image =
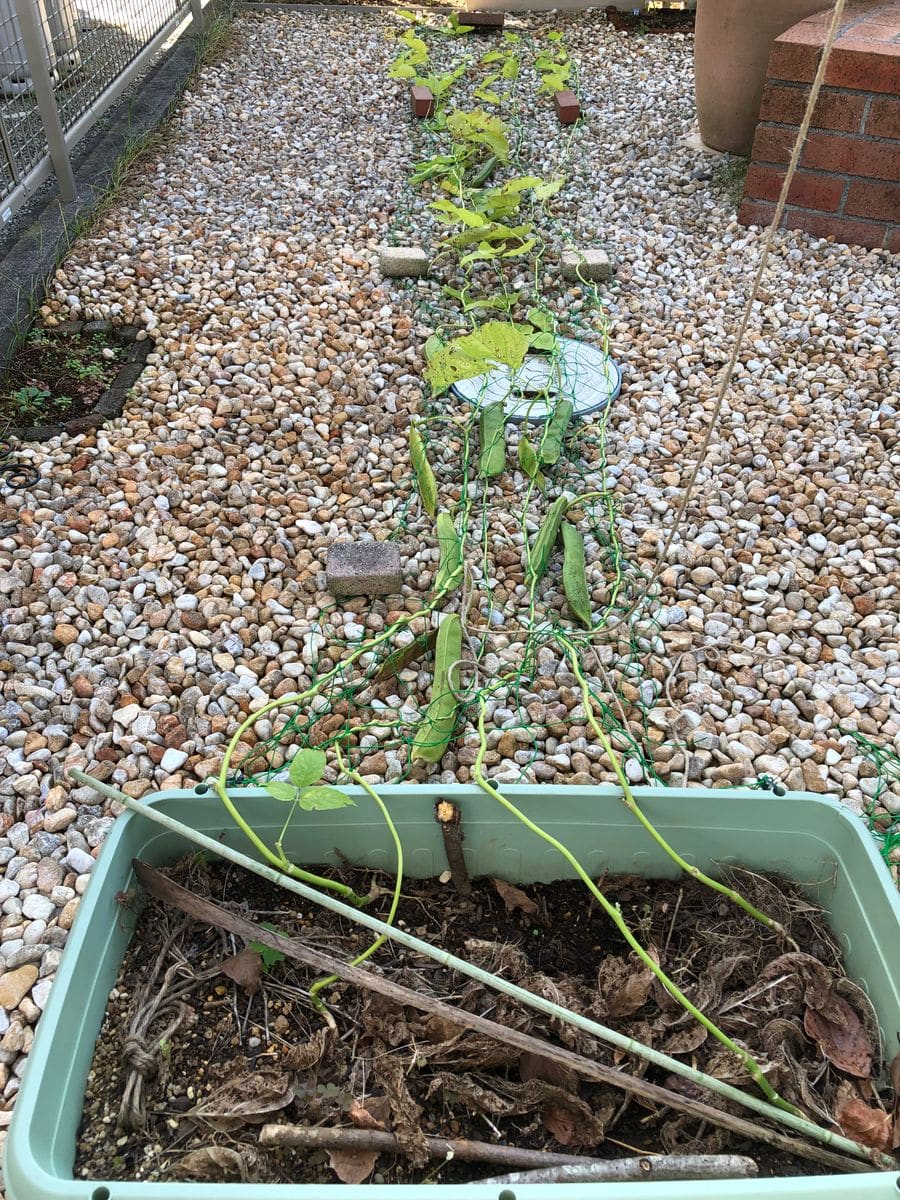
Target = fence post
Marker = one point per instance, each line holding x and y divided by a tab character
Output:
197	16
32	39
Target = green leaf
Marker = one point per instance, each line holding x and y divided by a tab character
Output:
270	957
510	69
306	767
432	345
554	36
544	341
486	94
518	251
540	319
493	56
545	190
321	798
464	216
280	790
496	342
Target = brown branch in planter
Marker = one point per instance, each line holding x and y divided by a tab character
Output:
213	914
314	1138
448	817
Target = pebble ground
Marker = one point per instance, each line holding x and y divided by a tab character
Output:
167	573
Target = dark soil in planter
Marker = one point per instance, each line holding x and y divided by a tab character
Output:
69	379
667	20
180	1074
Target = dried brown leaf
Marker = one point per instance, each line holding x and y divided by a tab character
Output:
560	1121
844	1043
537	1066
246	1100
210	1163
871	1126
625	984
363	1118
514	897
246	969
307	1054
352	1166
894	1072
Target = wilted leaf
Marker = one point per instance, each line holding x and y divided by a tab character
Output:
846	1043
514	897
363	1118
536	1066
307	1054
214	1162
246	969
352	1166
871	1126
561	1123
248	1099
624	984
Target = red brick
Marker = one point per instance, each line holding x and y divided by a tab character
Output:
794	58
834	110
852	156
421	100
773	143
884	118
878	201
755	212
893	243
854	233
808	189
858	64
567	107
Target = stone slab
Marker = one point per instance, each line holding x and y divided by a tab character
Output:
403	262
364	569
592	265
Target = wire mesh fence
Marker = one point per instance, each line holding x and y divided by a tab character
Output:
85	48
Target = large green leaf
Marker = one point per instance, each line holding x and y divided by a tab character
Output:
495	343
306	767
281	790
447	212
321	798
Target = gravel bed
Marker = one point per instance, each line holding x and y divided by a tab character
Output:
167	574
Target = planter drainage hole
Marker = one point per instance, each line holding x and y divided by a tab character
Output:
200	790
507	1194
100	1194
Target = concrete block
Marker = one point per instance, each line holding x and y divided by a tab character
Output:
364	569
403	262
591	265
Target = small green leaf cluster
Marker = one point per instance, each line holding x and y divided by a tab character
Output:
302	787
554	66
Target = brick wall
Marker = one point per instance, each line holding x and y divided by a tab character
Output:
847	185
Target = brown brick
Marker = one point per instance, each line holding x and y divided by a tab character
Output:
567	107
421	101
893	242
834	110
854	233
755	212
878	201
858	64
884	118
773	143
485	22
852	156
795	56
808	189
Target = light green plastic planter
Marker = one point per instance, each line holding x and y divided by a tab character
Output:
809	839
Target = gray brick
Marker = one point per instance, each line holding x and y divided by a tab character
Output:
591	264
364	569
403	262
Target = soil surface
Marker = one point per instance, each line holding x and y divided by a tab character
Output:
55	377
197	1052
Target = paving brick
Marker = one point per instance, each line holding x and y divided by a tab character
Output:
483	22
403	262
364	569
567	107
834	110
421	101
852	155
884	118
591	264
808	188
878	201
854	233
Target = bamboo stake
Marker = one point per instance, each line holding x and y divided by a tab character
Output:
539	1003
659	1168
211	913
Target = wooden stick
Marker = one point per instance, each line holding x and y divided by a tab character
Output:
213	914
653	1168
314	1138
448	818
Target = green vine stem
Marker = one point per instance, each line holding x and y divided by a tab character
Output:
633	807
749	1063
398	878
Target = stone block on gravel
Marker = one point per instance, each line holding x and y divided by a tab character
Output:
568	109
592	265
403	262
421	101
363	569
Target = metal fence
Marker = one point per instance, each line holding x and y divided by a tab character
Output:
62	63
